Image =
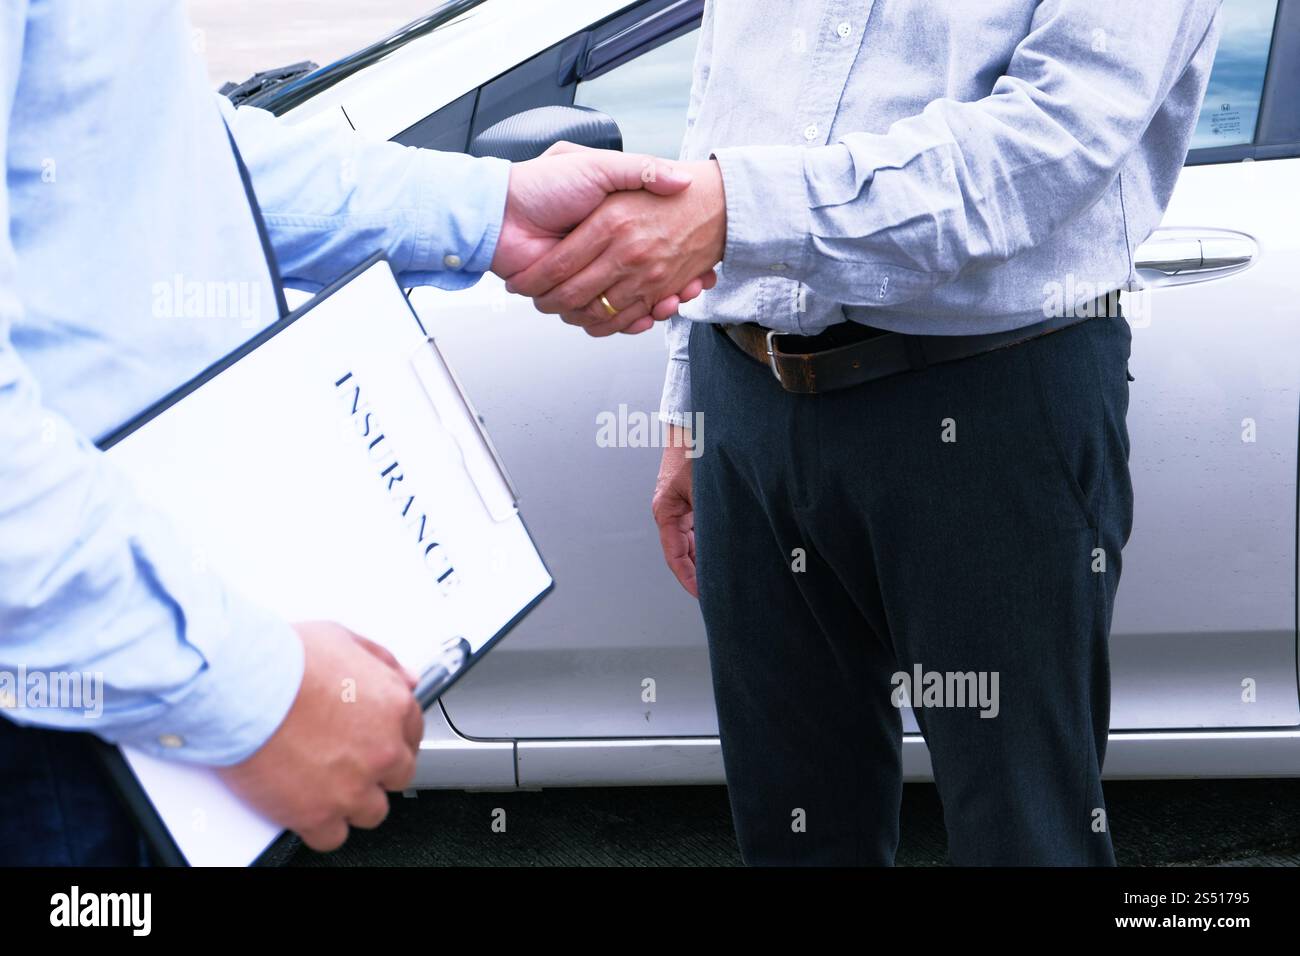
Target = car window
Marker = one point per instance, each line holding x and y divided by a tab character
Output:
1231	111
647	97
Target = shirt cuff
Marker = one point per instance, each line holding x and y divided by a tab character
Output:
768	217
457	241
675	405
250	678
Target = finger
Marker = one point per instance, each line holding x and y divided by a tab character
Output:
399	776
372	811
674	537
692	290
564	146
413	726
602	331
575	252
639	326
624	315
667	308
378	650
691	582
582	320
602	277
698	286
679	554
596	321
604	327
586	318
685	573
633	289
626	171
385	655
675	517
662	178
605	330
327	837
683	569
670	306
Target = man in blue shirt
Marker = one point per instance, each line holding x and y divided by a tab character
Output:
122	190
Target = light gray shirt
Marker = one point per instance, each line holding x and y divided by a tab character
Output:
939	167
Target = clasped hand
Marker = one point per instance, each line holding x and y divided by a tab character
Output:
611	242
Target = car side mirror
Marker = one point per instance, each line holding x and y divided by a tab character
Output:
528	134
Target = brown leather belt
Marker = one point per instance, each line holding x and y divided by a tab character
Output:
852	354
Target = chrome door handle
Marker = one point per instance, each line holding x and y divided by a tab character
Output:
1226	254
1205	256
1171	256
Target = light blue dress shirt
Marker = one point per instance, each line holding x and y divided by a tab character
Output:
124	214
933	166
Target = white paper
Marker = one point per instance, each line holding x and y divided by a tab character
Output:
266	471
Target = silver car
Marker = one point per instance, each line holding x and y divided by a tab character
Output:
608	682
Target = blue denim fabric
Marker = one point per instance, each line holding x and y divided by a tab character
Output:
57	807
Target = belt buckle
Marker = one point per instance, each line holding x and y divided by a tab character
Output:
771	355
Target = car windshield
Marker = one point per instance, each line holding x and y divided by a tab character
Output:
239	38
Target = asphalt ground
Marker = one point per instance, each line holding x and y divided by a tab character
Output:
1153	823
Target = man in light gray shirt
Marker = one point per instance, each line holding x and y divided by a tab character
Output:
915	488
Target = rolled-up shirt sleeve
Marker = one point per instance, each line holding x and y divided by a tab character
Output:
880	219
332	198
675	403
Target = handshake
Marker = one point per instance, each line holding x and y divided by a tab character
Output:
611	242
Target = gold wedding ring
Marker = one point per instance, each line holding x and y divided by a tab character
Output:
613	312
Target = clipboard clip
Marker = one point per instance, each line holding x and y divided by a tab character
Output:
502	502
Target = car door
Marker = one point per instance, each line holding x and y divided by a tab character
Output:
1204	632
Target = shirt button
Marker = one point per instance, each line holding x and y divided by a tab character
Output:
844	30
451	261
778	267
172	741
810	133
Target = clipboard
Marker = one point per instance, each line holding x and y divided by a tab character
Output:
332	467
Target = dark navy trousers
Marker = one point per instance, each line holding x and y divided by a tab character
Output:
57	807
962	519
